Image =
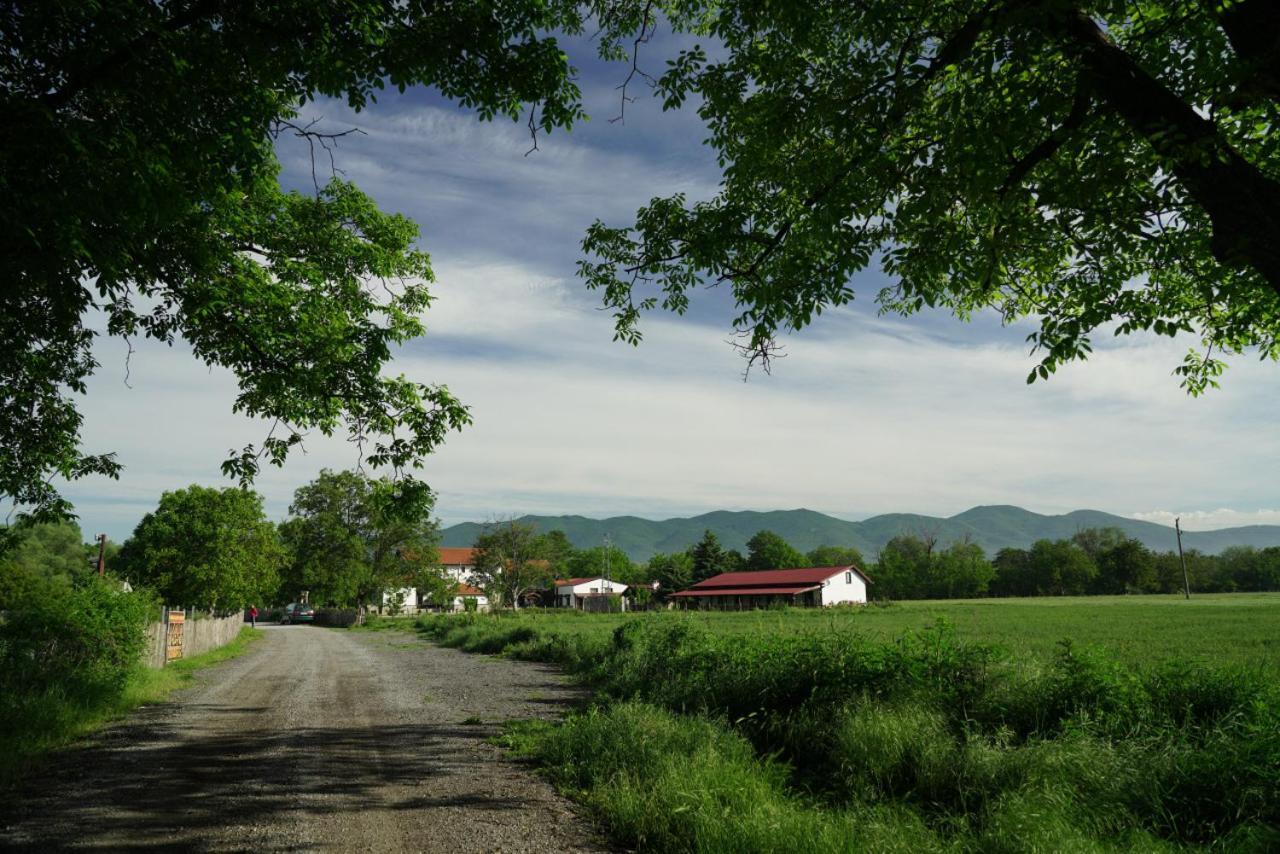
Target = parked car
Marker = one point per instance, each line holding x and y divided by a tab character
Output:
298	612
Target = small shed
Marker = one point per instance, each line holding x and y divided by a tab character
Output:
574	592
815	587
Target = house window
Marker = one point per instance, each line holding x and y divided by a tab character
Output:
848	578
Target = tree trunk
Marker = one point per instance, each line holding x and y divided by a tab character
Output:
1242	203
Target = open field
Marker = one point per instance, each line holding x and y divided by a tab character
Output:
1239	628
880	729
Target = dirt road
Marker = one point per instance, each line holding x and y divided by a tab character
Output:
314	740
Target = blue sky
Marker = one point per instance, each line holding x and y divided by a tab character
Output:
865	415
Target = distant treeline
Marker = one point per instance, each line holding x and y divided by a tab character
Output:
915	566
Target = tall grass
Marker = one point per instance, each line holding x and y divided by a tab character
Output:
843	742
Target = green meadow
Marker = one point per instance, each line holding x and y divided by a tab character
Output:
1091	724
1223	628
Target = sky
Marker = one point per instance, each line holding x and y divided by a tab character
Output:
864	415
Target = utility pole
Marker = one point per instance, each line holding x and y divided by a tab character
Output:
1186	584
102	553
607	584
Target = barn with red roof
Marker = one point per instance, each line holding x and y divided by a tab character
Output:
814	587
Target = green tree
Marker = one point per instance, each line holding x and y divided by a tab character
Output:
1126	566
555	548
835	556
767	550
612	561
42	559
707	557
206	548
1061	568
902	568
157	201
960	571
1104	165
673	572
350	537
1096	541
509	562
1014	575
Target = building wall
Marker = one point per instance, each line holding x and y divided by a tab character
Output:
460	572
409	604
571	596
841	589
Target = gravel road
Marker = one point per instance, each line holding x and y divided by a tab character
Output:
316	739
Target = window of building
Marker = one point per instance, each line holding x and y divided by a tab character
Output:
848	578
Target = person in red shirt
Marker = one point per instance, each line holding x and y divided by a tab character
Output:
253	615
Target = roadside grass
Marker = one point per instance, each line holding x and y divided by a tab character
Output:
802	730
56	719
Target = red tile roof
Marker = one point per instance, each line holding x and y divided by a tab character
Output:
457	557
468	590
771	578
748	591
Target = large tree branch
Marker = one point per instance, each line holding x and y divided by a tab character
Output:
1253	28
1242	202
1049	146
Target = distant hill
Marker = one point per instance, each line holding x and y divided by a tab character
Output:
993	528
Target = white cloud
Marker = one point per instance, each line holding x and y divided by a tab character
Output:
870	415
1211	520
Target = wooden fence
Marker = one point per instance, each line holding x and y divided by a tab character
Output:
178	635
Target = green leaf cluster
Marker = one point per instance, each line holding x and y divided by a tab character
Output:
1096	167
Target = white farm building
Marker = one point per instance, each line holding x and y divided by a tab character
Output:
816	587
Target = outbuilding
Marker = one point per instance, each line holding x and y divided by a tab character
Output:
575	592
815	587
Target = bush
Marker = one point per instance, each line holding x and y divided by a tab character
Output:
65	651
338	617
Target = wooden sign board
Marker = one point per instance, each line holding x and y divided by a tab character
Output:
173	649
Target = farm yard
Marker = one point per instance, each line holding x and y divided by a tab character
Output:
925	726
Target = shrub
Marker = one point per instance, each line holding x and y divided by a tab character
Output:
65	651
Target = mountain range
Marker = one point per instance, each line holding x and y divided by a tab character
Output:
992	527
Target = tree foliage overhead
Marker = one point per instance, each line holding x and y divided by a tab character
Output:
139	177
1090	164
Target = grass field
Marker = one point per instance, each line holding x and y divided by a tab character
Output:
1239	628
883	729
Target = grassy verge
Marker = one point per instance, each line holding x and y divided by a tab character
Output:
56	720
709	739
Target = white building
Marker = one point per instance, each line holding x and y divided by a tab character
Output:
816	587
467	591
459	563
403	600
574	592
